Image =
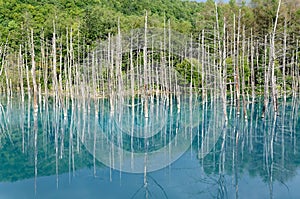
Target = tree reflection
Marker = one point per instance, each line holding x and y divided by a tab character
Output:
264	147
50	139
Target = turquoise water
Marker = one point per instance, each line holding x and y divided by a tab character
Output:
81	149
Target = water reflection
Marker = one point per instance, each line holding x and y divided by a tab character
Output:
66	135
130	142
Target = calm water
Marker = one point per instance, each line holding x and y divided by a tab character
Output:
81	149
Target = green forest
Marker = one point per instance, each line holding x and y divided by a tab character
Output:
95	19
247	47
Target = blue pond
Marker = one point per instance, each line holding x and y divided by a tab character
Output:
83	149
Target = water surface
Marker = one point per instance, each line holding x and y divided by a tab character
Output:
80	149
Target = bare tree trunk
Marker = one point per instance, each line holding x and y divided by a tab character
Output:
132	82
284	60
202	66
76	64
237	73
257	59
190	58
54	78
243	75
8	90
169	63
297	70
21	65
71	77
236	62
224	75
60	69
272	63
35	90
222	64
110	76
266	84
3	61
44	65
252	67
293	73
146	114
27	74
119	62
94	76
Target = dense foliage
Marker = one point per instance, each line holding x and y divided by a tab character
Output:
96	18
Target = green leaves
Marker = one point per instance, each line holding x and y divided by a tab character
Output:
189	71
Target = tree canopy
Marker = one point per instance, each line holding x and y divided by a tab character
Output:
97	18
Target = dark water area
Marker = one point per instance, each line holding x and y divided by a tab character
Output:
83	149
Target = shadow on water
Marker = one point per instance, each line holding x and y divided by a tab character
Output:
65	136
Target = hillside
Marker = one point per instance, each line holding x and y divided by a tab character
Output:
96	18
